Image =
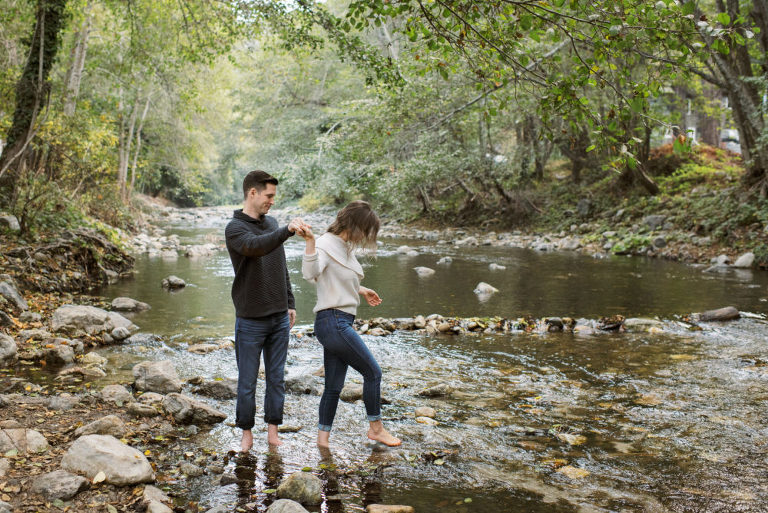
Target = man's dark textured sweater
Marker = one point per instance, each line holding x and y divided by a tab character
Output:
255	246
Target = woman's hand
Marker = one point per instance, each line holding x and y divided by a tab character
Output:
370	296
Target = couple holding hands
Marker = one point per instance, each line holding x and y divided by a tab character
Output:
265	308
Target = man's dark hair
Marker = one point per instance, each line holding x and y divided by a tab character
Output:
257	180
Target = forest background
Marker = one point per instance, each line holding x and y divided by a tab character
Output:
537	115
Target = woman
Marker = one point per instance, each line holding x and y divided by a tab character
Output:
331	265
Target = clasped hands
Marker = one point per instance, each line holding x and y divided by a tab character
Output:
299	227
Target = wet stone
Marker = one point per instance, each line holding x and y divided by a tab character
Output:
388	508
301	487
286	506
218	389
190	470
351	393
117	394
440	390
425	411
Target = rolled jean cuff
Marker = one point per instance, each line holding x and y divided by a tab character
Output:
323	427
276	422
373	418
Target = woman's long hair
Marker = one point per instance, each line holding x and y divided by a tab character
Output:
360	223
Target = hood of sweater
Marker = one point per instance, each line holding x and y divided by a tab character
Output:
335	247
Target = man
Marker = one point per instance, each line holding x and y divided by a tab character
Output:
264	303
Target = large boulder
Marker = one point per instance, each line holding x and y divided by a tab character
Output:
303	384
90	319
126	304
301	487
7	348
109	425
23	441
9	292
286	506
157	377
187	410
59	484
122	465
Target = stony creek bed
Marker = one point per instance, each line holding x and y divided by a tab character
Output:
665	416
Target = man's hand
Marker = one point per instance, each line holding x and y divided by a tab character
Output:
291	317
298	226
370	296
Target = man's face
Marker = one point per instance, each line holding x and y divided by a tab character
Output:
263	201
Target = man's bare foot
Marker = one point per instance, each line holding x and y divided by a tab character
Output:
378	433
272	438
323	438
247	441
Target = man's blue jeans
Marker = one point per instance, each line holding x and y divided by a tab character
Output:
343	348
252	337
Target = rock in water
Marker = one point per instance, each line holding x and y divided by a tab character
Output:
286	506
351	393
301	487
59	484
729	313
388	508
173	282
88	318
745	261
186	410
122	465
223	389
496	267
483	288
126	304
424	271
157	377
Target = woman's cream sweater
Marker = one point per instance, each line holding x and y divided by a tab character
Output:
336	272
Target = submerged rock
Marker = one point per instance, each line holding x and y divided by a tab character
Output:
424	271
483	288
301	487
286	506
388	508
745	261
440	390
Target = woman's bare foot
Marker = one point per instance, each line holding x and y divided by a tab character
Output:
272	438
378	433
247	441
323	438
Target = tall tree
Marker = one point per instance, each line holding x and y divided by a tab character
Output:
31	91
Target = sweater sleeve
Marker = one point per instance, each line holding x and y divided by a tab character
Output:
312	265
291	299
251	245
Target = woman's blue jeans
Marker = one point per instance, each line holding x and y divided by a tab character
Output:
252	337
343	348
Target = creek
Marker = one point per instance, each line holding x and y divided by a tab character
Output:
673	420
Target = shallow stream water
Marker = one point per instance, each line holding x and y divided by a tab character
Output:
675	420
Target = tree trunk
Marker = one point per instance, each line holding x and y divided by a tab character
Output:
138	144
31	90
77	63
